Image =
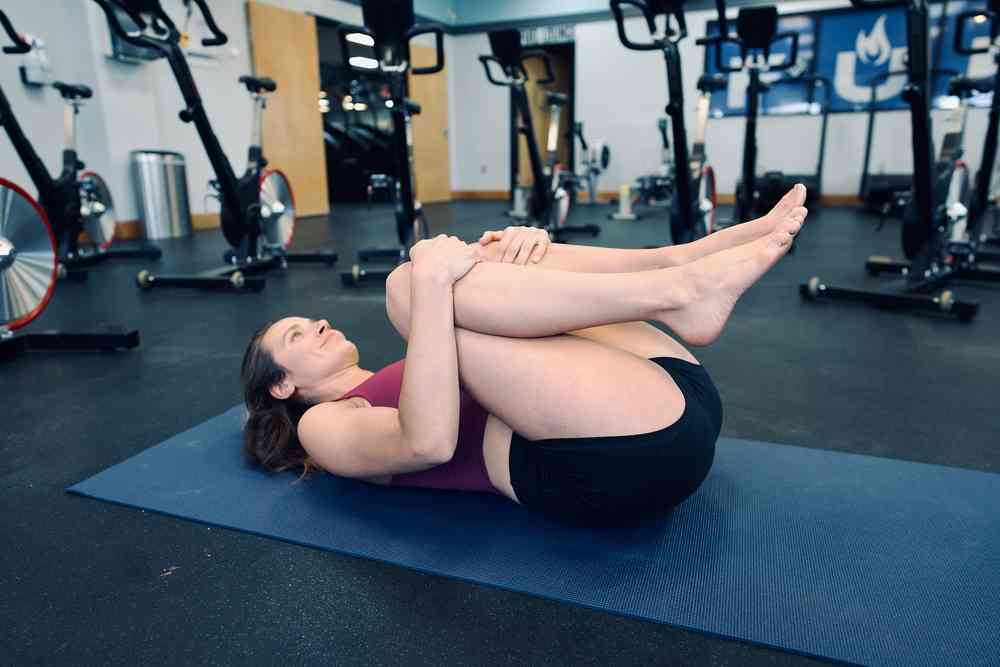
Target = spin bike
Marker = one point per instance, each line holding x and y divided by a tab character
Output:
74	202
935	228
692	214
596	160
773	185
756	34
389	28
986	244
277	201
36	240
549	201
255	230
657	189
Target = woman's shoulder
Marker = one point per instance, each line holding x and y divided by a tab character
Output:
327	408
330	410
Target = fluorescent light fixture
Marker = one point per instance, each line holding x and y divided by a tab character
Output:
360	106
322	94
347	105
360	38
363	63
389	103
980	18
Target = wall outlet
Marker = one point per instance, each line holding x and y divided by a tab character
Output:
482	169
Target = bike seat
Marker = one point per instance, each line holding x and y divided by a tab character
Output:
255	85
71	91
555	98
963	86
709	83
757	26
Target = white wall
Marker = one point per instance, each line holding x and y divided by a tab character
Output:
620	94
479	118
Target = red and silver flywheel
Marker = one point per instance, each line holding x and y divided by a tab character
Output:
277	205
28	258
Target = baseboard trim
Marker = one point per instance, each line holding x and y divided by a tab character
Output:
201	221
479	195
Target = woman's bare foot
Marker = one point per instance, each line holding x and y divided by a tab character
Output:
792	200
737	235
716	282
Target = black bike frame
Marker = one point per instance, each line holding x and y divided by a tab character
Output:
234	221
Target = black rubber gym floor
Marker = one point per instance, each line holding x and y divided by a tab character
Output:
85	582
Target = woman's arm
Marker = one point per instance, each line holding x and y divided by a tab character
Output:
429	400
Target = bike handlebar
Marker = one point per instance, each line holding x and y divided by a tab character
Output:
650	9
486	60
20	46
438	32
161	24
419	29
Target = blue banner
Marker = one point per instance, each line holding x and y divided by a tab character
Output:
789	97
860	52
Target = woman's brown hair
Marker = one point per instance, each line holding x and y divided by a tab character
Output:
270	434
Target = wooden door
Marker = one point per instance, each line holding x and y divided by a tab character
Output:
562	67
285	49
431	166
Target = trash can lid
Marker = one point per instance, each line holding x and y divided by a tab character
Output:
151	151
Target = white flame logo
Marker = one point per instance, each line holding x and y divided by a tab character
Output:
874	48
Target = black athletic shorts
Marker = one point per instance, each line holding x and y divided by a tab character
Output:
618	480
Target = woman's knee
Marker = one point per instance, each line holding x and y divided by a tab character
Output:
397	298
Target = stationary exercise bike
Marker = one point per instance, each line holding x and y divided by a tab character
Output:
657	189
549	202
389	28
935	232
563	183
756	35
277	201
773	185
36	240
886	194
255	230
595	161
692	213
987	243
74	202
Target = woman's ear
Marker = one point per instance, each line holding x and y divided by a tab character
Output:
283	390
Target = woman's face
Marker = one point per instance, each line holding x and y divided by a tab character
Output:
309	350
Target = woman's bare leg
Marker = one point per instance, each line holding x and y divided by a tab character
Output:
594	259
528	301
541	390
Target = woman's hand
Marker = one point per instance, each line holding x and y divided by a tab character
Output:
446	256
519	245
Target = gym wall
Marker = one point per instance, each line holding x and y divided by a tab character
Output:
620	94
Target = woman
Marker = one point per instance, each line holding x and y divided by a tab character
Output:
541	383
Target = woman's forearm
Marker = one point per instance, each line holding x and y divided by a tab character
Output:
429	400
591	259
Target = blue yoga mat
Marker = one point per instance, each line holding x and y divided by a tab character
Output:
851	558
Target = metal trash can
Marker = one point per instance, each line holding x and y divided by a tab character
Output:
160	181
